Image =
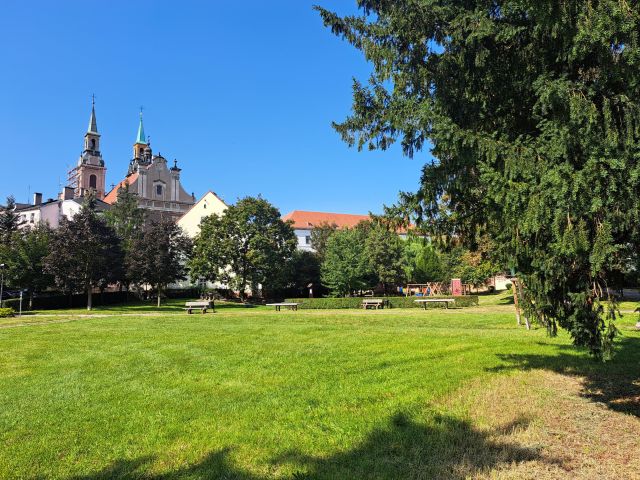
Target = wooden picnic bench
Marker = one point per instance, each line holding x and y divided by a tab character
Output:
372	302
288	305
203	306
446	301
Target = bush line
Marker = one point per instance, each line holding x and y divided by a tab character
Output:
391	302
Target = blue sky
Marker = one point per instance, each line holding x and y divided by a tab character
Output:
241	93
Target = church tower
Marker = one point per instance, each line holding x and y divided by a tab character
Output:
141	148
91	172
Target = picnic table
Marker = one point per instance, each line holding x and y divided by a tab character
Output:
372	302
288	305
446	301
203	306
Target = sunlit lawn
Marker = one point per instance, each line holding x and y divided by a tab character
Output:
251	393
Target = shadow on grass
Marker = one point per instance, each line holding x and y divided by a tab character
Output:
615	383
446	448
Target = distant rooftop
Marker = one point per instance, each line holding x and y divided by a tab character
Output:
308	220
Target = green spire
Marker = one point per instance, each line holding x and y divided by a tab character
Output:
141	138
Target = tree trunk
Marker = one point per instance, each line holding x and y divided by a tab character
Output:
30	299
514	290
89	297
159	291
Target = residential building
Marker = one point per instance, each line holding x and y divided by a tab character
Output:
209	204
304	222
52	211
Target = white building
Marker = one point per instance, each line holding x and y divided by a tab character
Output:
52	212
209	204
304	222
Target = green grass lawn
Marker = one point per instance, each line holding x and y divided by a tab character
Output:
251	393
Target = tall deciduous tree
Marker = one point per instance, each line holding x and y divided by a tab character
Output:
85	253
345	268
383	255
245	247
158	255
320	236
9	220
532	111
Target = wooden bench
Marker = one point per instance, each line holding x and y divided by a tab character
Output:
372	302
446	301
203	306
290	306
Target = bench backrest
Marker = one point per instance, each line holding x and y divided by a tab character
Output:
197	304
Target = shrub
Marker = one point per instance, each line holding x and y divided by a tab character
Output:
6	312
391	302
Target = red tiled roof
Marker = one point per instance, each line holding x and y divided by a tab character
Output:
309	220
112	196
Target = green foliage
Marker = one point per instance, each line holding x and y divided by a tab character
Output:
422	262
383	255
302	270
6	312
320	236
345	268
85	253
158	255
9	220
244	248
531	109
126	217
392	302
25	259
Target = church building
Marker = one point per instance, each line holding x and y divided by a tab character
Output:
156	184
90	172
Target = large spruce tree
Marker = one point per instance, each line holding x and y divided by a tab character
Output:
531	110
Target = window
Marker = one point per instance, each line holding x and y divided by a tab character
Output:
93	181
307	240
32	218
159	190
93	144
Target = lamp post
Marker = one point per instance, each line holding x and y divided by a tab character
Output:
1	284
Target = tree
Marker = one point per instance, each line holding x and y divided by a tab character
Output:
344	268
383	255
25	260
320	236
245	247
422	262
158	255
126	217
531	109
9	220
85	253
302	270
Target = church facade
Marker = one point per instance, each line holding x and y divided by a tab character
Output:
156	184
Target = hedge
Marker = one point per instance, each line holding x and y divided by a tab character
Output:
391	302
6	312
79	300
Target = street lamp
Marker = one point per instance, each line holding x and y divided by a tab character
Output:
1	284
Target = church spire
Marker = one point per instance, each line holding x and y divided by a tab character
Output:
141	139
93	125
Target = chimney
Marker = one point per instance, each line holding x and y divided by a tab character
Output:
68	193
37	198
